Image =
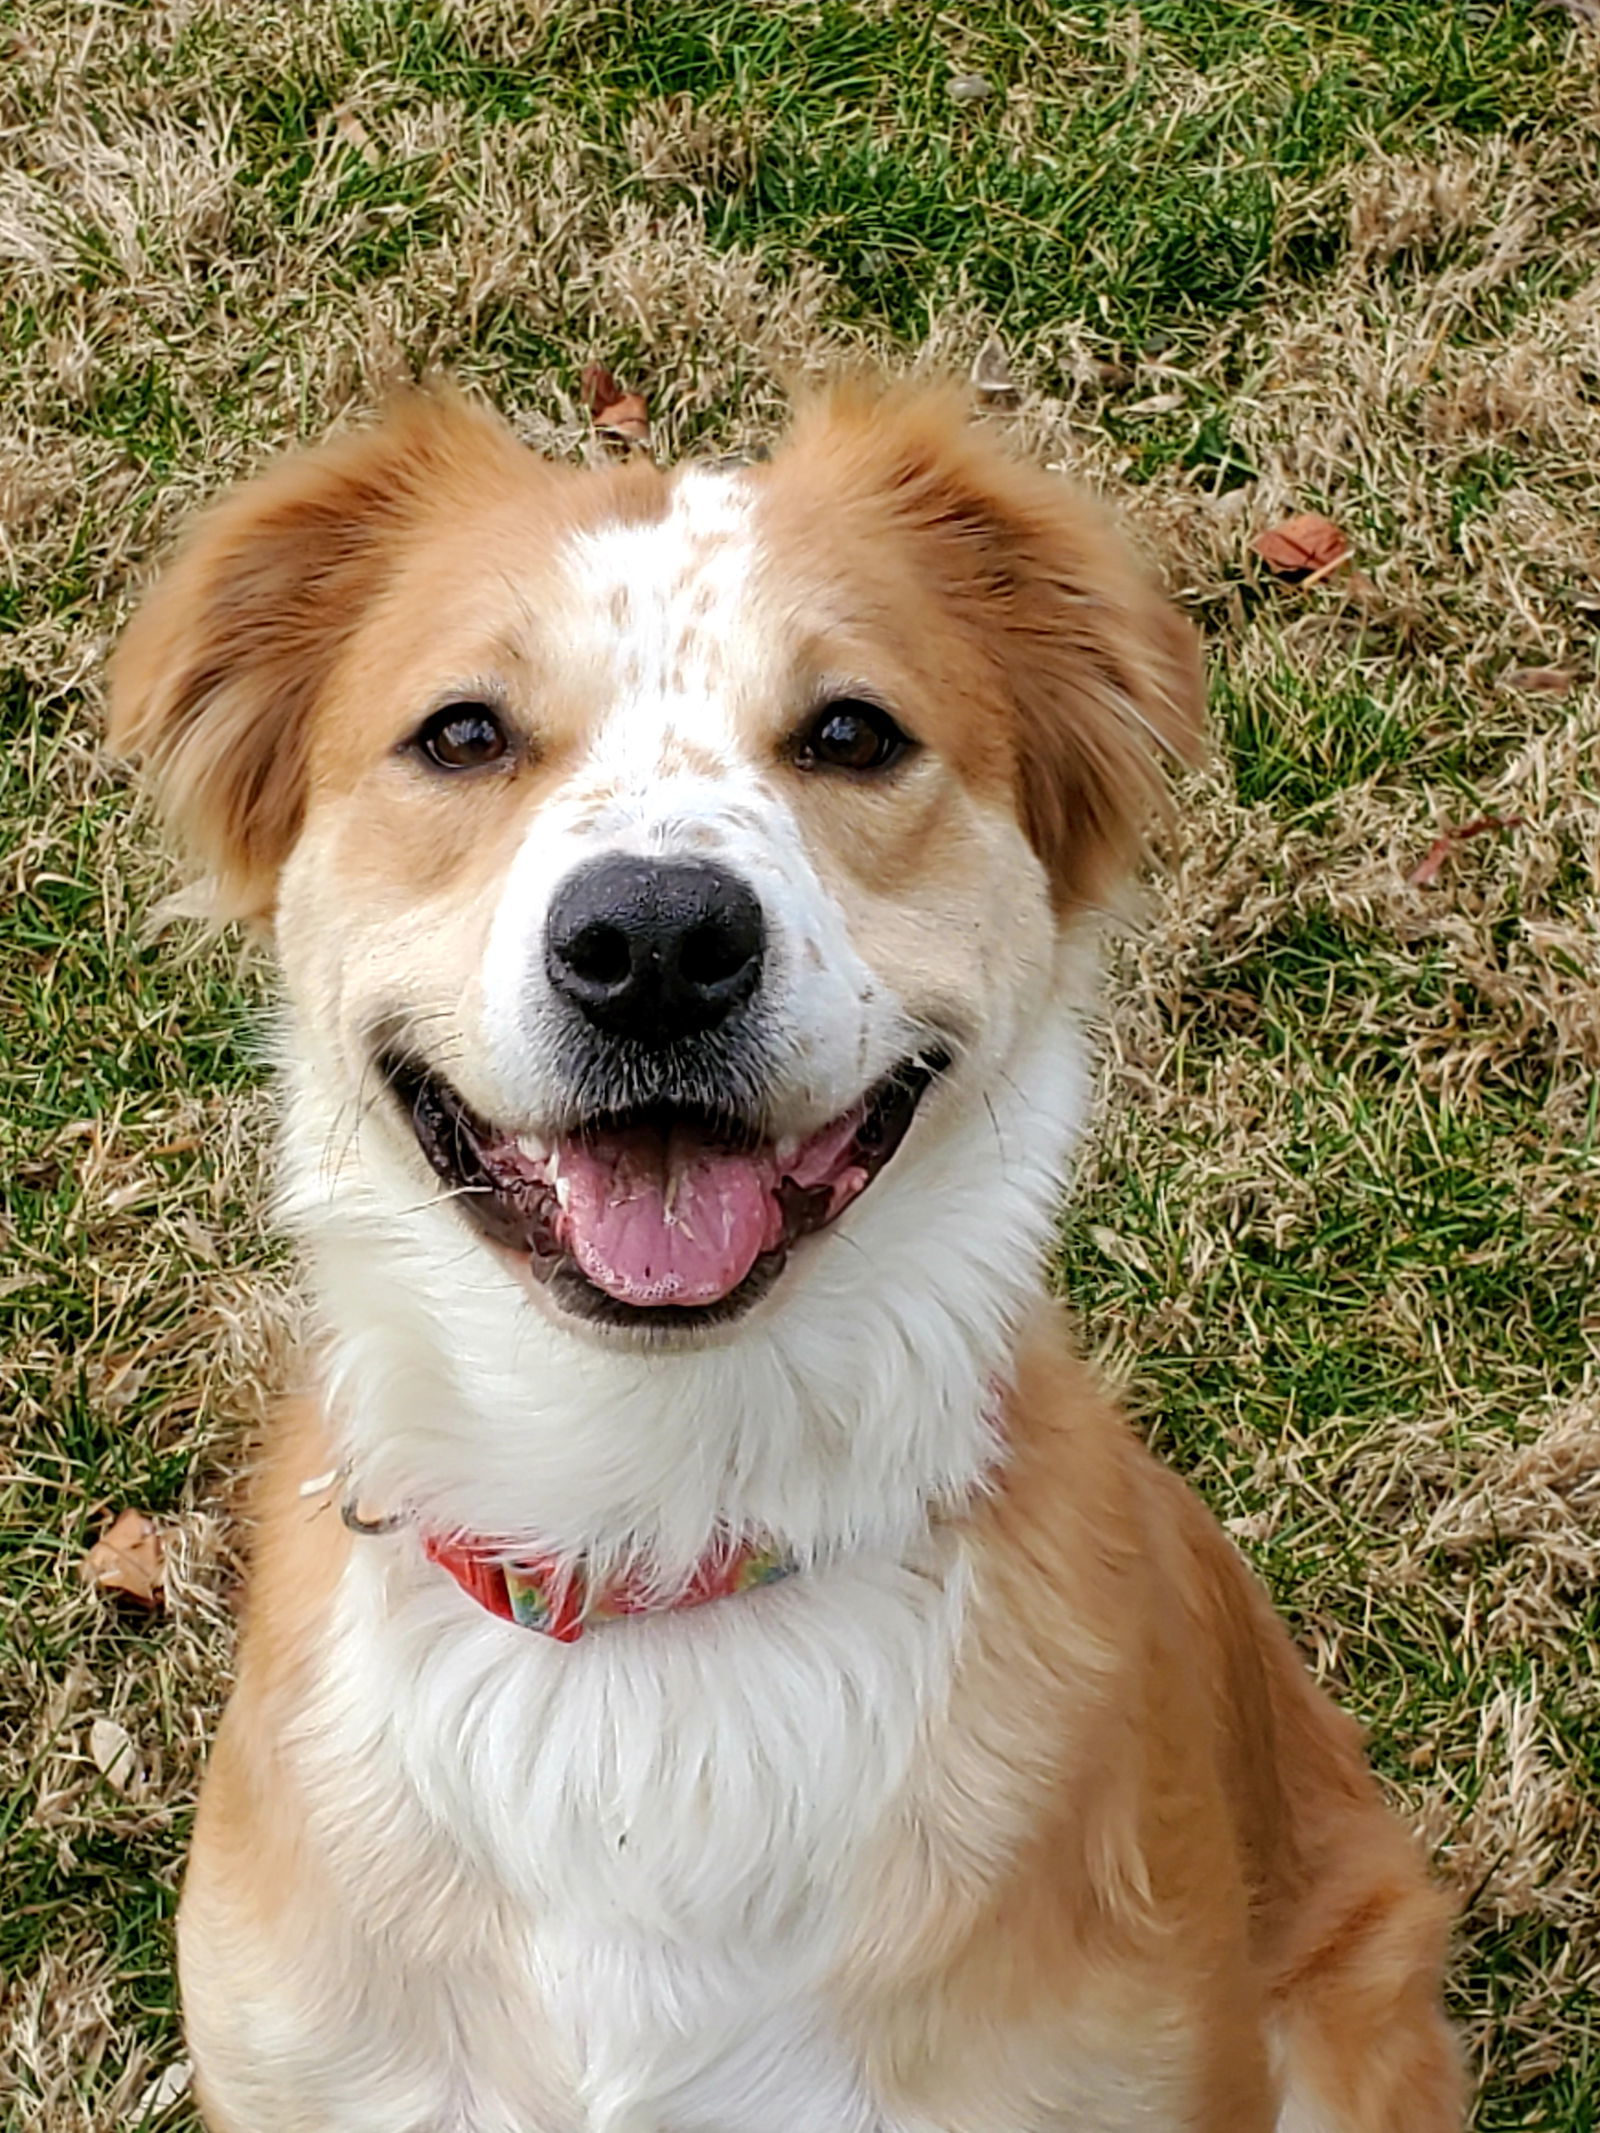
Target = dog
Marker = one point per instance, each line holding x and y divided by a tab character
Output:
714	1659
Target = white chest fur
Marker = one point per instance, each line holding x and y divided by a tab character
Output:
666	1820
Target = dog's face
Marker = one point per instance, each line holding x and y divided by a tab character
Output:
650	856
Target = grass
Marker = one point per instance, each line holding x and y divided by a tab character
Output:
1337	1231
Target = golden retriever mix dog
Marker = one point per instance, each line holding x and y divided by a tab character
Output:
715	1663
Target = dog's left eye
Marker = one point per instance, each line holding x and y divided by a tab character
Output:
462	737
849	735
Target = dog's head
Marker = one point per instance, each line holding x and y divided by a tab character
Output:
646	851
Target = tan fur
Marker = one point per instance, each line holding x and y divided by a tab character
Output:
1204	1834
258	1878
255	628
1101	672
1142	1857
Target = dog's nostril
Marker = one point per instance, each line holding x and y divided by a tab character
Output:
655	949
712	953
601	955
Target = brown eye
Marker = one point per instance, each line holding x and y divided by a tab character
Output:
849	735
462	737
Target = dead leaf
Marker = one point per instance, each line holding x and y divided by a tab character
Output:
126	1559
969	88
1157	404
163	2092
993	379
1540	681
349	129
1426	871
1586	11
599	387
1303	549
613	409
113	1754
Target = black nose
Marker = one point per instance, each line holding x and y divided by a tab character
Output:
654	949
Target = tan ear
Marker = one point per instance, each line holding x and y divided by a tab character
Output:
216	677
1103	675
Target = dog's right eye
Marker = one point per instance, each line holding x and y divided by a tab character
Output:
462	737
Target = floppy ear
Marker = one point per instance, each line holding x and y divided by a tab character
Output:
1102	674
216	677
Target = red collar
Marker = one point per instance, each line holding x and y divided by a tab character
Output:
557	1599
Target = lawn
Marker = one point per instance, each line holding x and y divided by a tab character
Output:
1338	1231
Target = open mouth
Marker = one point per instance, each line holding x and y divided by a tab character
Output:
670	1215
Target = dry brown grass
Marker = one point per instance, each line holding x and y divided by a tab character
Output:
1337	1231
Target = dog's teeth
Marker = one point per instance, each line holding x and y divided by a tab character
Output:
561	1186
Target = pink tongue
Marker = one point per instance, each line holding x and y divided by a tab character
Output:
674	1219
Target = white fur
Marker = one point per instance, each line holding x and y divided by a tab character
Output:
1301	2115
693	645
669	1816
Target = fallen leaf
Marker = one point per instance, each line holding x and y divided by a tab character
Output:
349	129
1157	404
1303	548
1584	10
993	379
1426	871
1540	681
1113	376
163	2092
126	1559
613	409
628	417
113	1754
969	88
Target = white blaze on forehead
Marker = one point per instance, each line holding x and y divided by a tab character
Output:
670	627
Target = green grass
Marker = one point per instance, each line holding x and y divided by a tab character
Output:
1337	1234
